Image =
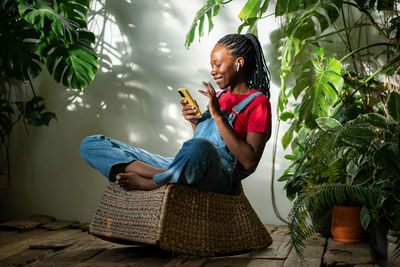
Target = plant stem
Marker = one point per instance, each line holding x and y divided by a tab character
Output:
26	100
362	48
379	29
33	89
278	123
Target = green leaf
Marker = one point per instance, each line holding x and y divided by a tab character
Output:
207	8
286	116
288	136
291	157
201	27
365	218
329	124
250	10
393	105
280	8
46	20
357	136
74	66
321	84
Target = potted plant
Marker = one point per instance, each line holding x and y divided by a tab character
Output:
371	145
33	33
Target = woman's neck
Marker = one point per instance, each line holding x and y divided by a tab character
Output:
240	89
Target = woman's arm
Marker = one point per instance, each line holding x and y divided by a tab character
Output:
248	152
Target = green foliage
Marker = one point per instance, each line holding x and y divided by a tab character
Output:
33	33
321	82
34	111
210	8
301	225
51	31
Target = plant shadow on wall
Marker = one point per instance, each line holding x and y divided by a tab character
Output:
135	80
340	95
35	34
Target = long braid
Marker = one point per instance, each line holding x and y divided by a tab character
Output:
248	47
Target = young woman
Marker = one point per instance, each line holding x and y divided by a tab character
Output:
229	138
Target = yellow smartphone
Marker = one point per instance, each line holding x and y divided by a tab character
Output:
184	93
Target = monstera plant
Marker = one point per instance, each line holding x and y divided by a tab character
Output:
36	34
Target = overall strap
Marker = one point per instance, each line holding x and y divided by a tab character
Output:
222	92
245	102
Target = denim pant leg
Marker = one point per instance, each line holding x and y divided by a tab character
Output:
102	153
198	163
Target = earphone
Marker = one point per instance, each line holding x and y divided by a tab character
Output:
238	66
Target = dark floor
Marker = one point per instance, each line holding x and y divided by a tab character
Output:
40	242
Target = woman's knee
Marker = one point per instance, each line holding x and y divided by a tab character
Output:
199	148
89	143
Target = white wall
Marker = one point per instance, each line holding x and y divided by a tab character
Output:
133	98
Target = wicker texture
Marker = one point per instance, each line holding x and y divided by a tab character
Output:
181	219
130	216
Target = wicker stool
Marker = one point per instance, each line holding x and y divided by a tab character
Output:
180	219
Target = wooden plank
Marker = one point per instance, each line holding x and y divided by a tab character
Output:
231	262
22	242
348	253
85	227
265	262
56	225
271	228
312	254
135	255
87	247
279	248
25	257
58	240
27	223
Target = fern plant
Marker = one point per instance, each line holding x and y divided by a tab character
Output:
370	145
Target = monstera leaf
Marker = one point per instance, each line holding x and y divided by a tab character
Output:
74	65
53	32
47	21
18	44
321	82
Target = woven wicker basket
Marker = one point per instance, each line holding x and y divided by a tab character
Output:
180	219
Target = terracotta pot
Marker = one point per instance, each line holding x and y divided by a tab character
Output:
346	224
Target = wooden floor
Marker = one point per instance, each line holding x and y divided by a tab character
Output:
43	241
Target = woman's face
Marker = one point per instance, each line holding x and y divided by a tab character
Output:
223	66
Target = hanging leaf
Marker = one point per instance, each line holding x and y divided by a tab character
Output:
288	136
210	7
321	82
74	66
18	45
51	24
250	10
393	105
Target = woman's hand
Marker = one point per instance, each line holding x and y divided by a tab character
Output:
189	112
213	103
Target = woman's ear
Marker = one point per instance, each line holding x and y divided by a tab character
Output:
239	63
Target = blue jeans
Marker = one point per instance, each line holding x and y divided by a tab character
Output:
198	163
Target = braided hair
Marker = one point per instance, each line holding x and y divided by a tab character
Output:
248	47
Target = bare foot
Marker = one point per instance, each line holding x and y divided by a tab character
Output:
131	181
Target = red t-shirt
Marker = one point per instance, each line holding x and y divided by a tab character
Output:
256	117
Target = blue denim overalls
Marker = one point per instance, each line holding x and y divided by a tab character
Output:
203	161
